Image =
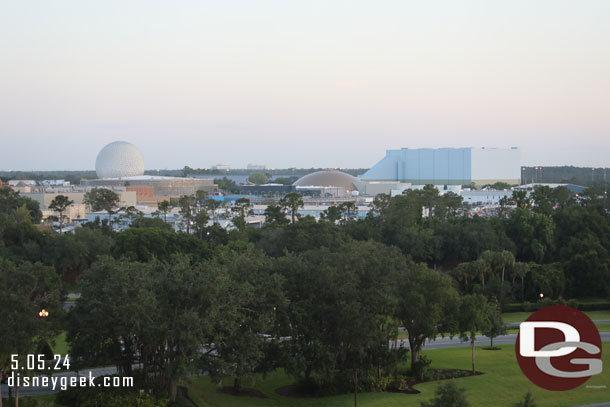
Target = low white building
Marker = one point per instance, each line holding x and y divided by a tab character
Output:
484	197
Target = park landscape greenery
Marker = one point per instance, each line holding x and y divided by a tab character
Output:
309	306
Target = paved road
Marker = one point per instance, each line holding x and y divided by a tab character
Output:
455	342
595	321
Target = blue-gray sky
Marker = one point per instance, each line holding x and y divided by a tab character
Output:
301	83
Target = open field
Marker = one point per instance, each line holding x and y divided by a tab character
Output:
522	316
61	346
503	384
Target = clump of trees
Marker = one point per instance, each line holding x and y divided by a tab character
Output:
322	299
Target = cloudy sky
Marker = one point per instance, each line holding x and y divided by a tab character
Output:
301	83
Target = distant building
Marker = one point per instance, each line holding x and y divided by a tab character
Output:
448	166
484	197
119	159
274	190
173	187
577	189
260	167
221	167
328	178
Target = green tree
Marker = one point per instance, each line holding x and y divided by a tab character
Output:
274	215
521	199
504	202
249	318
292	202
190	300
10	201
348	210
542	199
212	206
25	290
162	314
165	207
283	181
241	209
448	395
521	270
453	202
102	199
186	203
500	186
227	185
258	178
341	313
427	304
480	268
533	235
528	401
496	325
473	318
59	204
380	205
331	214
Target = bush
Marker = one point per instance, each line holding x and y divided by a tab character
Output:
342	383
448	395
528	401
420	368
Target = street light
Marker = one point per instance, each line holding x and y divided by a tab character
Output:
43	314
541	295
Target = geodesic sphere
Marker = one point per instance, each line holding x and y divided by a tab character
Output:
118	160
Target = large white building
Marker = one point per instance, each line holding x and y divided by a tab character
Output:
448	166
118	160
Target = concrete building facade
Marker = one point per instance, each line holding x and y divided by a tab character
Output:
448	166
173	187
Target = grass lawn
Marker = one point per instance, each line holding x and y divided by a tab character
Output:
61	346
603	327
503	384
522	316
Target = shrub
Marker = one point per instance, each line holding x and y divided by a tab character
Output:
528	401
420	368
448	395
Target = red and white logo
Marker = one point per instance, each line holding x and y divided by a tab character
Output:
559	348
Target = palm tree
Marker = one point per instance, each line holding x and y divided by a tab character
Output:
521	270
507	260
293	202
480	269
59	204
164	207
212	206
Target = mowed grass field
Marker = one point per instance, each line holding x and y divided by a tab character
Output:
503	384
522	316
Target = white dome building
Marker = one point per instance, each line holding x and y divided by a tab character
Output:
119	160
